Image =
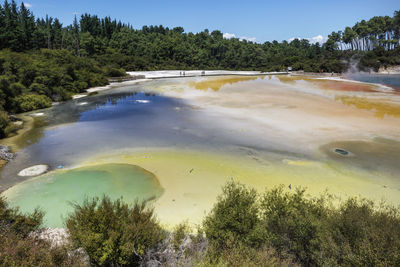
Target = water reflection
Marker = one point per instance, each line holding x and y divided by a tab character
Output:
116	120
326	84
217	83
392	80
379	107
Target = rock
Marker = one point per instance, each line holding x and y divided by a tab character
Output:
34	170
37	114
56	236
5	153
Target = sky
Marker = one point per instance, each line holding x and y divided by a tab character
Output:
254	20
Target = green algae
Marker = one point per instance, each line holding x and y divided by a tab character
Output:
193	179
55	191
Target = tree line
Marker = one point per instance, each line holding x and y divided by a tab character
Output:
379	31
153	47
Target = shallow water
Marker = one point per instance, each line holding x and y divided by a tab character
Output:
57	191
392	80
194	134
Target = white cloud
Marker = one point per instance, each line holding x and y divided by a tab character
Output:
27	5
229	35
316	39
232	35
249	39
291	39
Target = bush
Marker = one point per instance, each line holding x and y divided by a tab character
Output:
4	123
18	247
243	226
30	251
113	233
115	72
294	223
240	255
234	218
17	88
365	235
11	220
30	102
39	88
181	231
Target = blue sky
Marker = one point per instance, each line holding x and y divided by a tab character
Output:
253	19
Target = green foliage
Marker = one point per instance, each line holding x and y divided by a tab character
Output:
114	72
11	220
240	255
311	230
234	218
19	248
31	102
179	233
56	74
294	223
113	233
30	251
117	45
4	123
364	234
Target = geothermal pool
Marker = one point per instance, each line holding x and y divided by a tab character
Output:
175	142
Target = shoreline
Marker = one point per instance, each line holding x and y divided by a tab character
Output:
164	74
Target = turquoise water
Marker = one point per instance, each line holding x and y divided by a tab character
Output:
55	191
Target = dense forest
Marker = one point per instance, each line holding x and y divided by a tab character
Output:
42	60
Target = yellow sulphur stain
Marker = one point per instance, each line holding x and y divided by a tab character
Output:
379	107
216	83
193	179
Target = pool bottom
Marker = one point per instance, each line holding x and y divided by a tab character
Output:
55	192
192	179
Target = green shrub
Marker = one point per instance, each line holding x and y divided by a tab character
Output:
4	123
18	247
293	223
39	88
11	129
240	255
115	72
365	234
18	88
234	218
312	231
20	224
179	233
113	233
30	251
30	102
